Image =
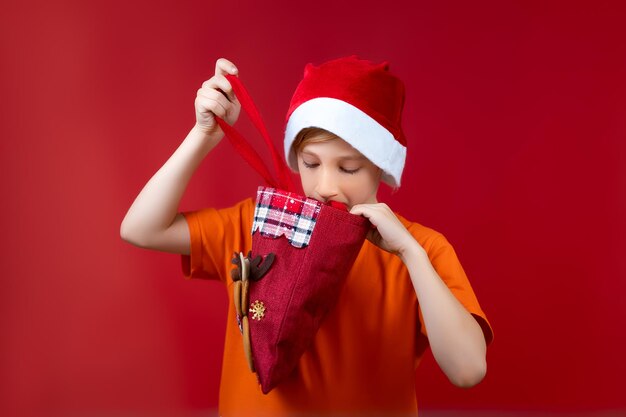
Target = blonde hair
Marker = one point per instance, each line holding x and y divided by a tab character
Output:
317	135
311	135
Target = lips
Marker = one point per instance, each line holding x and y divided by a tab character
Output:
338	205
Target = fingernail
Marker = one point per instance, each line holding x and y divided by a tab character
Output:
233	70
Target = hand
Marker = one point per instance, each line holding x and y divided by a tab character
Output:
389	233
216	98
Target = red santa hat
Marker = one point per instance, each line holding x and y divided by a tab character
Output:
357	100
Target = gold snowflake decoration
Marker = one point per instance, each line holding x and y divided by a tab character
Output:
258	310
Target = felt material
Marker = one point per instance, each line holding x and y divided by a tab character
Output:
237	297
246	342
245	297
301	253
376	325
357	100
300	288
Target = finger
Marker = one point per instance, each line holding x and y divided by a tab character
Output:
210	105
220	83
362	210
208	108
356	209
224	66
374	237
217	96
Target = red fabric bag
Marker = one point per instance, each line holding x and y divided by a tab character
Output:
302	251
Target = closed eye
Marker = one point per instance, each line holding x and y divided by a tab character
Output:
349	171
344	170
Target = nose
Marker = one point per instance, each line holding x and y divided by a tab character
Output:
326	188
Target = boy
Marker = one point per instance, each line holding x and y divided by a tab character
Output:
406	290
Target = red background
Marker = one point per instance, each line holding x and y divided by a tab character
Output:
515	116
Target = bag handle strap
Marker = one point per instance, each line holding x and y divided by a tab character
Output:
244	149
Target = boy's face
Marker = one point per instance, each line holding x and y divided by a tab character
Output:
334	170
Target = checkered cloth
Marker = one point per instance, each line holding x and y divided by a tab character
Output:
279	212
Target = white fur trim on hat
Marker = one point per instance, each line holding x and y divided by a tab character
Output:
355	127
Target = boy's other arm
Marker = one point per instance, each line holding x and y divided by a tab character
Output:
455	337
152	221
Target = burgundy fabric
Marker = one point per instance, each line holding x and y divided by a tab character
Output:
311	260
301	287
367	86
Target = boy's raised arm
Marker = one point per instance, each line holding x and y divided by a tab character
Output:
152	221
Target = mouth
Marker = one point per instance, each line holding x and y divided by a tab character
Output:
338	205
332	202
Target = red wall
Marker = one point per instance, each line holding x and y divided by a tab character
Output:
516	117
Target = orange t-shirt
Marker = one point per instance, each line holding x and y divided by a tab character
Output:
363	357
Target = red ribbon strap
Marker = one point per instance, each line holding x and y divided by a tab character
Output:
248	153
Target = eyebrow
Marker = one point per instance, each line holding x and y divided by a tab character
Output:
352	157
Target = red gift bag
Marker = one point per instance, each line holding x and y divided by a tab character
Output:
302	251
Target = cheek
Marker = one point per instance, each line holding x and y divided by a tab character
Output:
363	189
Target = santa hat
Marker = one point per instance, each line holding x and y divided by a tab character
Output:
357	100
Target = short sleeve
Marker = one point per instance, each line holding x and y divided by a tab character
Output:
445	261
215	234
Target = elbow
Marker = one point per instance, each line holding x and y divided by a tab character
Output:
469	375
127	235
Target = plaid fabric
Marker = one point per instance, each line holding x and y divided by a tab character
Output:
279	212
